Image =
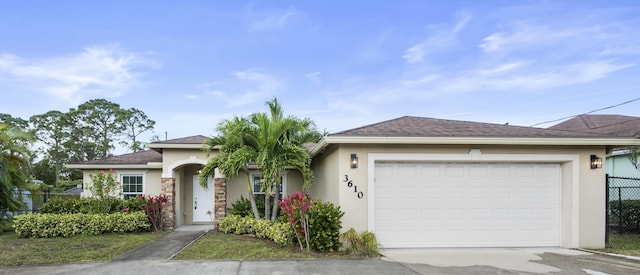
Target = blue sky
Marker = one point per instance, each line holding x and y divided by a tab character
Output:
190	64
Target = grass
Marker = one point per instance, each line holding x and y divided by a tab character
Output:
81	248
628	244
220	246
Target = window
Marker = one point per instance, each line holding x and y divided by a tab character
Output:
257	185
132	185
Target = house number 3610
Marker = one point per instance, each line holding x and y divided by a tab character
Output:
350	184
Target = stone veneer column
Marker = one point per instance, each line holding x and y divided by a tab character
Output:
220	204
168	188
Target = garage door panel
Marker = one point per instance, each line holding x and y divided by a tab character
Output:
467	205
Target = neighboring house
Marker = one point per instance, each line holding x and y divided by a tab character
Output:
617	161
415	182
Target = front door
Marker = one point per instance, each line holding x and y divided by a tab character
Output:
203	200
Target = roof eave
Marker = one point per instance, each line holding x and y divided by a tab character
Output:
151	165
472	140
155	146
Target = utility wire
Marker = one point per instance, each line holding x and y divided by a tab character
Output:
590	112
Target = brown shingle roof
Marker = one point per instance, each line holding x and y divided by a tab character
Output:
610	125
409	126
199	139
142	157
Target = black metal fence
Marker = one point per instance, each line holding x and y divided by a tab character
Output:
33	201
623	210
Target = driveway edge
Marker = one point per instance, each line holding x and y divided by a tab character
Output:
635	258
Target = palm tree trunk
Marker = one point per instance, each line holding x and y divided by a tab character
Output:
267	206
254	208
276	195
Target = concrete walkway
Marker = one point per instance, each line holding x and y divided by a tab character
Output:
167	247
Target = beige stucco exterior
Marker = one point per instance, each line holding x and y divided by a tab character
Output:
583	188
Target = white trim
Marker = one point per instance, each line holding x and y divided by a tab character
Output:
473	140
173	166
573	159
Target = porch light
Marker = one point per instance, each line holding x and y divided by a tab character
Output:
354	161
596	162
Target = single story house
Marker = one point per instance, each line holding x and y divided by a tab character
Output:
415	182
617	162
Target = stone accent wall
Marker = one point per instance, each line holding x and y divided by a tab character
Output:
220	206
168	188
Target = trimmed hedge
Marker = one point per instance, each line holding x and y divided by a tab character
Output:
91	206
65	225
279	232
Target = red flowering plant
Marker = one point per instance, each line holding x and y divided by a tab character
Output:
297	206
153	207
104	188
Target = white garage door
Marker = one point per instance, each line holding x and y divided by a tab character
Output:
467	205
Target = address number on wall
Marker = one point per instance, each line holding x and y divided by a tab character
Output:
350	184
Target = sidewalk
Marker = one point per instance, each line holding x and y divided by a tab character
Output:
167	247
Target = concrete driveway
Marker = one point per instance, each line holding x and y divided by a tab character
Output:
509	261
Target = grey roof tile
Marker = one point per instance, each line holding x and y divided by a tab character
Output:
142	157
410	126
610	125
199	139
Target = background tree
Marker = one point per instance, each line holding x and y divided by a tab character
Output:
134	122
100	122
53	130
14	168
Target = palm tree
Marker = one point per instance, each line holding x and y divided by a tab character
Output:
236	151
271	141
14	167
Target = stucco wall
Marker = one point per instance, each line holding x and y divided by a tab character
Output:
325	169
579	183
151	179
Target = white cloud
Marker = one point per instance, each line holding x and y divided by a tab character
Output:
273	22
98	71
442	39
249	86
314	77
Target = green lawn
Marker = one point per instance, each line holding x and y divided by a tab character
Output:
18	251
220	246
628	244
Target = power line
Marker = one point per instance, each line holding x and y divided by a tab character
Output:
590	112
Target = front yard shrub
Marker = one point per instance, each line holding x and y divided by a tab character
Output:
65	225
365	244
242	207
625	214
297	206
324	225
91	205
278	232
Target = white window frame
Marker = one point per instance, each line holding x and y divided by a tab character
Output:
283	184
132	174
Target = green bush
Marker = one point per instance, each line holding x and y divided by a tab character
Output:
242	207
65	225
279	232
91	205
324	226
625	214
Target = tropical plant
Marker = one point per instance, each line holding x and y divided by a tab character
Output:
105	187
14	168
297	208
365	243
270	141
153	207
